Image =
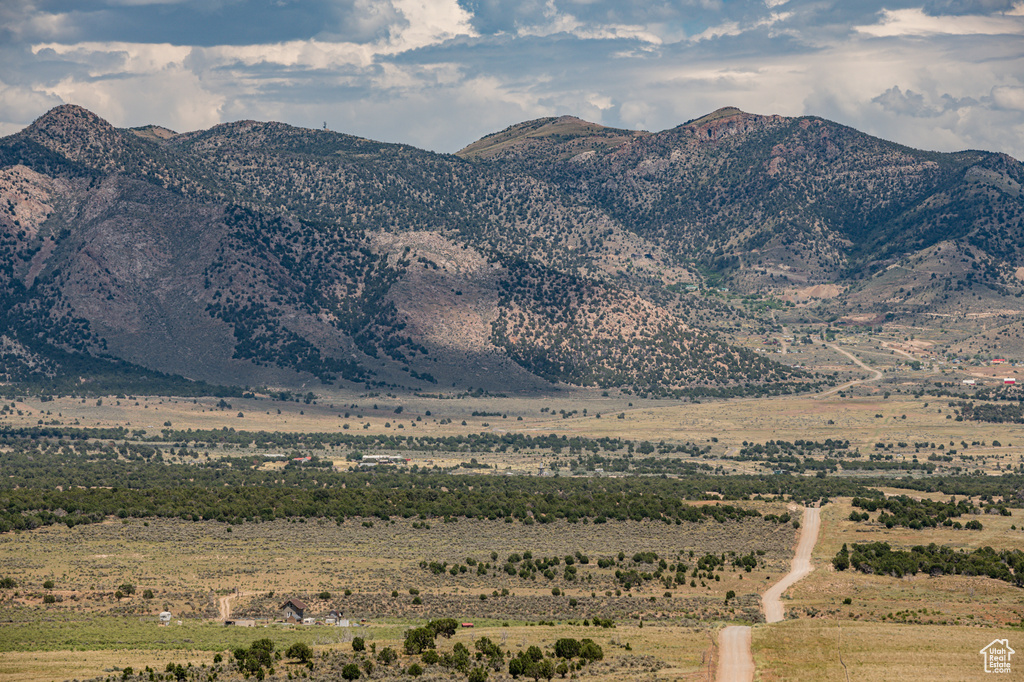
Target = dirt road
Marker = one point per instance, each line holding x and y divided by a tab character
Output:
225	604
772	599
877	374
735	658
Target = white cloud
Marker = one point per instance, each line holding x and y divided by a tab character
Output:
429	22
20	103
735	28
559	22
1006	97
176	99
423	23
914	22
120	58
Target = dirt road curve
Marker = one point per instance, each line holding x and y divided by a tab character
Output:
735	659
855	382
772	599
225	604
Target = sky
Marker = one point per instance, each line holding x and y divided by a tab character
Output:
439	74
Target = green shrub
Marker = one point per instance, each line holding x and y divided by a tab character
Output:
419	640
591	651
567	648
300	652
445	627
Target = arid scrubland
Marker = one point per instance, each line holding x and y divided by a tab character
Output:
666	585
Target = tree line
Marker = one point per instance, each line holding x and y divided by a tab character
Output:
880	558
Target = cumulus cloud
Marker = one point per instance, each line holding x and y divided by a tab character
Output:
1007	97
916	22
907	103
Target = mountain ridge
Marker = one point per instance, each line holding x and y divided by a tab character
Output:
556	250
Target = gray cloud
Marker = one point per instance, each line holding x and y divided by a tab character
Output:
965	7
907	103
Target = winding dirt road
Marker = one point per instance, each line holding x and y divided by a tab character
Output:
735	658
857	361
772	599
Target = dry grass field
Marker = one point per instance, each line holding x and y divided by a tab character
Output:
949	599
187	563
27	666
657	651
189	566
911	628
864	416
810	649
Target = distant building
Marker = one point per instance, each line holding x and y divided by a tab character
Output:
334	618
241	623
293	611
968	382
1009	381
374	460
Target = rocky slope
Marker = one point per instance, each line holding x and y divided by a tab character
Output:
776	203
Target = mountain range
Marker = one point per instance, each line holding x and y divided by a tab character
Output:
553	252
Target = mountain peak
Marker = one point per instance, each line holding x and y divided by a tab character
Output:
76	133
69	116
570	132
717	114
153	133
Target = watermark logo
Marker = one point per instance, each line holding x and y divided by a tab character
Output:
997	656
